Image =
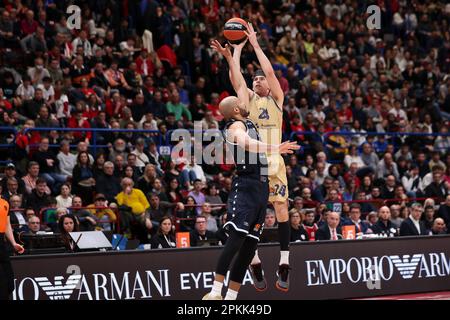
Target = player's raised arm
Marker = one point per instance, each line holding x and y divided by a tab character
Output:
238	134
238	80
266	66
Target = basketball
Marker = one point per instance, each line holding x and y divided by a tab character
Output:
234	30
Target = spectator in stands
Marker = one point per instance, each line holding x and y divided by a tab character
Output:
68	223
438	227
270	220
309	225
145	183
361	227
104	216
211	222
86	220
197	194
83	182
369	157
298	233
212	197
165	236
384	225
107	183
192	171
17	216
413	226
39	198
34	225
141	158
48	164
387	167
437	188
395	215
331	229
200	232
133	198
12	188
66	159
64	199
11	172
412	182
428	217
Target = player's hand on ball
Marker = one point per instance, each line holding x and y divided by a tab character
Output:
216	46
239	46
288	147
251	35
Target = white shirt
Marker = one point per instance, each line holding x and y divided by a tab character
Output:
66	163
335	234
416	223
47	93
198	172
20	218
63	203
141	158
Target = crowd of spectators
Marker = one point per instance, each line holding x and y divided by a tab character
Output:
148	65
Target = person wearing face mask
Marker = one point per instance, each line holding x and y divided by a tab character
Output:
38	72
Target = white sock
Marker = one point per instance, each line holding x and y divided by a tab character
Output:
284	257
217	288
231	295
256	259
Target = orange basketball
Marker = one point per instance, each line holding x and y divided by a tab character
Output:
234	29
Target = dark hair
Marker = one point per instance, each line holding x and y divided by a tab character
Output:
40	180
159	232
355	206
76	226
79	157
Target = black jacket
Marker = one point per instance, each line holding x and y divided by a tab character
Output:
444	213
195	237
159	241
37	202
323	233
436	190
407	228
109	186
299	234
389	229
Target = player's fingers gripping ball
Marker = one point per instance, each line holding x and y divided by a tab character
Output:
234	30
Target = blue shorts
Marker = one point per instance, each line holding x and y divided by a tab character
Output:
247	204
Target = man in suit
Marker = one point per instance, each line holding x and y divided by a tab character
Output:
331	230
413	226
354	219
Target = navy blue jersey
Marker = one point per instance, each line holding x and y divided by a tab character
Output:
247	163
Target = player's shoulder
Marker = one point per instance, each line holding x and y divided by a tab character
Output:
236	124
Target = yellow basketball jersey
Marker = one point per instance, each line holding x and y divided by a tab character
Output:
268	118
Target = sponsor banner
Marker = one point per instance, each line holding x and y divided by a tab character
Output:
325	270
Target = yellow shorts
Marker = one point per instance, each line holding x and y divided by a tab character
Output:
278	187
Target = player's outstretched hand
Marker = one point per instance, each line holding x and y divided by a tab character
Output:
251	35
216	46
288	147
240	45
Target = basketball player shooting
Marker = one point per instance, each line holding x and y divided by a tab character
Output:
247	202
266	110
